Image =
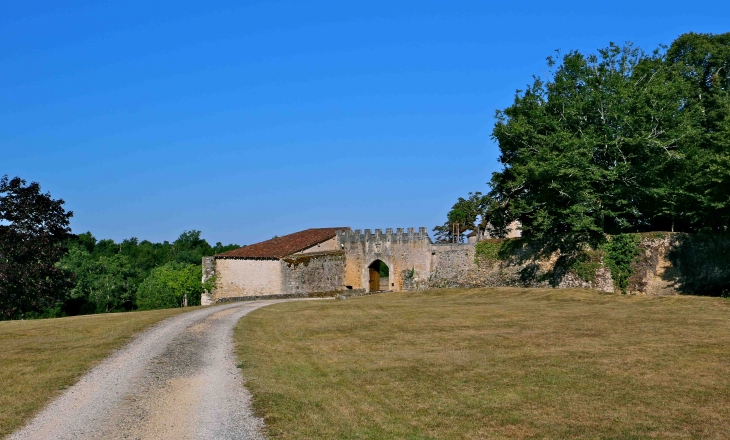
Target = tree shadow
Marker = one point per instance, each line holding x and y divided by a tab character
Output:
700	264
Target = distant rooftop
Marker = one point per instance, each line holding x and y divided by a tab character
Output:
280	247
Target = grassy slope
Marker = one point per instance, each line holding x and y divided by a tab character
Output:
39	358
491	363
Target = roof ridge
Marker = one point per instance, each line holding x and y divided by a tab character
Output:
279	247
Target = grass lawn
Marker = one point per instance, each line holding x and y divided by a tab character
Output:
40	358
491	363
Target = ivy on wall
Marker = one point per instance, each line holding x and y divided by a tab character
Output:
620	251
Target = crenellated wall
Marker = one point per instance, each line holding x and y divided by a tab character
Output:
406	252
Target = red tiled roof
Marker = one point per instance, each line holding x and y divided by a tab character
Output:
280	247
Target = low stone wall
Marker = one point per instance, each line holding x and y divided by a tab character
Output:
457	265
309	273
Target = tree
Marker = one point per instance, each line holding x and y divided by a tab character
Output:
172	285
471	214
597	148
101	285
190	248
33	231
700	63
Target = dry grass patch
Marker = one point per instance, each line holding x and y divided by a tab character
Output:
491	363
40	358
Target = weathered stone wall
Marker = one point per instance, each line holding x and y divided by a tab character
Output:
208	272
326	246
240	277
415	263
455	265
311	273
406	253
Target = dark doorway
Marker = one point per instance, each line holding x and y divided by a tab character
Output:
379	276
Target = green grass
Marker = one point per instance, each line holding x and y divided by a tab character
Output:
491	363
41	358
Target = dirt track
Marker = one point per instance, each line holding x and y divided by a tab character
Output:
177	380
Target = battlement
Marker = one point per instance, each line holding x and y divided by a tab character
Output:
400	235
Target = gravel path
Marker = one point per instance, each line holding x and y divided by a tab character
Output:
176	380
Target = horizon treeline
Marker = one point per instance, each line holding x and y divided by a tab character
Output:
132	274
620	141
47	271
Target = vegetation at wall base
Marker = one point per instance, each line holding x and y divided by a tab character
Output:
586	265
41	358
490	363
620	254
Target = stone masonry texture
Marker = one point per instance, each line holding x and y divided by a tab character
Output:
416	263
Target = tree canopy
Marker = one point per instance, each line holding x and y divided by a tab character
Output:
613	142
34	229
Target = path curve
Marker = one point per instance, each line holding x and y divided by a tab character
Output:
176	380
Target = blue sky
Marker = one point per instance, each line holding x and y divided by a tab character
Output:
252	119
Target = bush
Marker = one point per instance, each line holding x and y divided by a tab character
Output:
169	285
620	252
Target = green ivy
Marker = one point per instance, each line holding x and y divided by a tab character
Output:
492	250
620	252
487	251
586	265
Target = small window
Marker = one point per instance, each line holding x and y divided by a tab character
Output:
348	287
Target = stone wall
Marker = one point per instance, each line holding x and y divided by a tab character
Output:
455	265
312	273
326	246
406	253
415	263
239	277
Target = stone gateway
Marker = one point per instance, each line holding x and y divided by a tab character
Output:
332	259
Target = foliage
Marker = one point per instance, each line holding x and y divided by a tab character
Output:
384	271
107	274
471	214
101	285
487	250
615	142
492	250
170	285
33	231
586	265
620	252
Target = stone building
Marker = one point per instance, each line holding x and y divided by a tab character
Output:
323	260
340	259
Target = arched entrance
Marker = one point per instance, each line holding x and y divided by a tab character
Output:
379	276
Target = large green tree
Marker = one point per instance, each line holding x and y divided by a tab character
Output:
102	284
172	285
34	229
700	65
619	141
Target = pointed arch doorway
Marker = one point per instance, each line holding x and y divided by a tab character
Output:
379	276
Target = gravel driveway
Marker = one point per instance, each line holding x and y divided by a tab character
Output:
176	380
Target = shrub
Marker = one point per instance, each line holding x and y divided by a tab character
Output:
169	285
620	252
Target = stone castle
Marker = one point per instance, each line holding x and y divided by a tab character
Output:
339	259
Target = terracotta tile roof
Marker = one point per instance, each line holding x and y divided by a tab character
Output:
282	246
